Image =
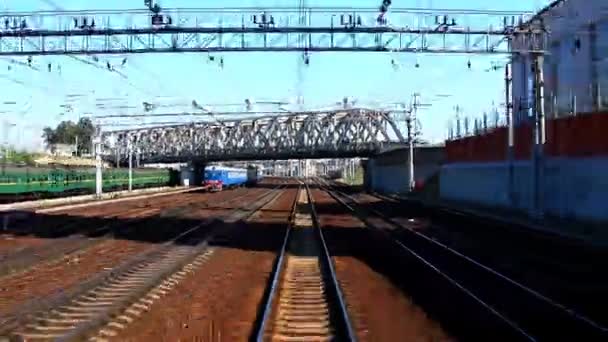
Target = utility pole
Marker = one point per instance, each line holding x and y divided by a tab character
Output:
410	123
511	134
301	64
130	151
98	162
539	134
6	126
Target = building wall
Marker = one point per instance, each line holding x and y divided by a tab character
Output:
576	70
574	177
389	173
574	188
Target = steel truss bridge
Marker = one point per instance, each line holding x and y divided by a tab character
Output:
343	133
269	29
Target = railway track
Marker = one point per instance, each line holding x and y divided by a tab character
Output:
114	298
560	267
303	299
515	308
72	234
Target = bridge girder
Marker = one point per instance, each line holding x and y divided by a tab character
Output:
345	133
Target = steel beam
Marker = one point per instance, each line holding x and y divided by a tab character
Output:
268	29
353	132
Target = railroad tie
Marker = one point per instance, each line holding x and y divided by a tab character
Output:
302	311
135	310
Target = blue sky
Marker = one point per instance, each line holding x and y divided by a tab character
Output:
37	95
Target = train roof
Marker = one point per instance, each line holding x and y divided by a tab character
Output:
223	168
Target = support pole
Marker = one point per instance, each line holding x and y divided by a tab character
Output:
539	136
511	136
98	164
410	141
410	155
130	165
5	146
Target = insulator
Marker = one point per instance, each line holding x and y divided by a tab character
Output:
271	20
469	64
255	19
157	19
93	24
84	22
50	67
342	19
264	18
169	20
359	21
453	22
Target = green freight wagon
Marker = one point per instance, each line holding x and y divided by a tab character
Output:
25	183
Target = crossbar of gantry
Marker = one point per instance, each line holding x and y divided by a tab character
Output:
233	30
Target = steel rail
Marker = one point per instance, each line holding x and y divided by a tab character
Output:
86	329
350	332
535	294
34	307
325	258
437	270
261	324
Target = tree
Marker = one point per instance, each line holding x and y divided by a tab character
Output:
48	134
67	132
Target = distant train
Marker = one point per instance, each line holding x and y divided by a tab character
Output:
334	174
218	177
24	183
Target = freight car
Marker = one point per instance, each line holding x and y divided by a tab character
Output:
31	183
334	174
218	177
254	175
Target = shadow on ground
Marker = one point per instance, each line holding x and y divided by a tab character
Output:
460	315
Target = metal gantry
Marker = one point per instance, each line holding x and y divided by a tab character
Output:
353	132
269	29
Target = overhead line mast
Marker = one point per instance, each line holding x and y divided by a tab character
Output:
305	56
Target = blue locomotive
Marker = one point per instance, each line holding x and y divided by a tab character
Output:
218	177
